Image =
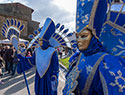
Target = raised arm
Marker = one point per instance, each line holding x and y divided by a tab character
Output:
25	63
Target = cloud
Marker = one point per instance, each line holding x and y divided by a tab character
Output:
61	11
58	11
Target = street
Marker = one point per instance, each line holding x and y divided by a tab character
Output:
15	85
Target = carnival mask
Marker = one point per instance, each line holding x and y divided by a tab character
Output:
40	42
83	39
44	44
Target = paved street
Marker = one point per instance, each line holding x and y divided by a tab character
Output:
15	85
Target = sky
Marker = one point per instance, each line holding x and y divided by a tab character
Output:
61	11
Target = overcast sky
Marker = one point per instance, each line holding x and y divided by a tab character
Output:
61	11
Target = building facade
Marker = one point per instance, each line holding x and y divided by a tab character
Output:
21	13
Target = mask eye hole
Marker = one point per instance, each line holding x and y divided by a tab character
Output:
83	36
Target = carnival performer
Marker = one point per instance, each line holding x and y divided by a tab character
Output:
45	59
96	71
93	75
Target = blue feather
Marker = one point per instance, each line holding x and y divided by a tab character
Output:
3	31
64	44
31	36
21	28
66	30
58	25
73	41
5	25
35	32
18	25
70	34
39	29
26	43
3	34
62	41
8	22
74	45
60	38
8	36
36	42
12	22
57	36
4	28
62	27
54	34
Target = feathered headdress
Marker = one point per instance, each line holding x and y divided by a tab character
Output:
60	38
11	29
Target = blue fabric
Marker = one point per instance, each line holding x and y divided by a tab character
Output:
112	37
43	58
84	14
47	30
72	61
108	76
73	56
43	86
89	62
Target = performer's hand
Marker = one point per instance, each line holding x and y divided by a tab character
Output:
19	56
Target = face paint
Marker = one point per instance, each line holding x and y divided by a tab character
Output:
83	39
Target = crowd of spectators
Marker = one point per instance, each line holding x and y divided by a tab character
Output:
64	52
9	60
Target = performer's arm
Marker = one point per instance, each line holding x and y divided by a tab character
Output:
25	63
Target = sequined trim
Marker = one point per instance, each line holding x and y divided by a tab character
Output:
71	81
104	85
91	76
91	22
116	81
30	62
116	26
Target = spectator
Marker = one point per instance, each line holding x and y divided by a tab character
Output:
60	51
5	58
28	54
1	65
9	58
15	62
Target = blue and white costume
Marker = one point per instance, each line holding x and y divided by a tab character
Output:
96	71
45	59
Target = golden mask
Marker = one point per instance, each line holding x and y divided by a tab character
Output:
83	39
40	42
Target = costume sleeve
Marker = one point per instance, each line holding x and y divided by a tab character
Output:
112	75
25	63
73	57
55	74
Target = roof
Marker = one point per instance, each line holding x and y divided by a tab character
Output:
17	4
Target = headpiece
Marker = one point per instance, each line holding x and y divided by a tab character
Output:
45	33
63	38
11	30
91	13
113	32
